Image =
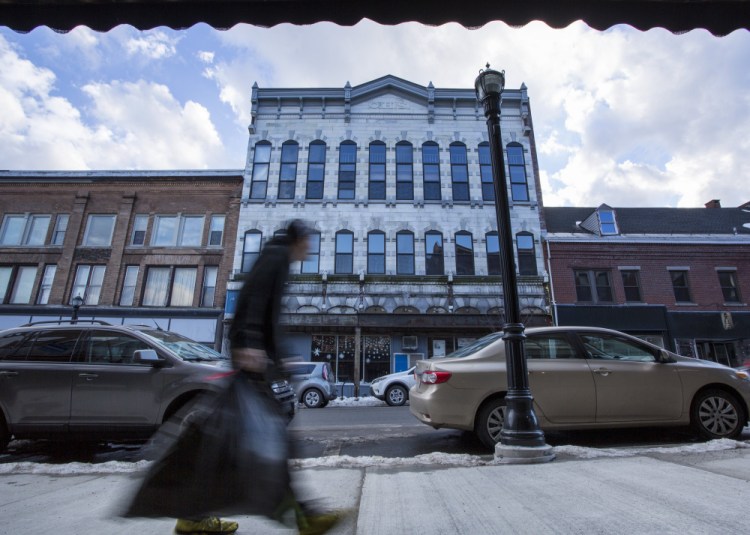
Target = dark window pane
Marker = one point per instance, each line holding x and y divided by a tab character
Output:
432	191
258	190
286	190
631	285
515	155
405	264
375	263
404	191
460	192
458	154
54	346
288	171
430	153
377	190
488	192
728	282
460	173
314	190
583	286
344	263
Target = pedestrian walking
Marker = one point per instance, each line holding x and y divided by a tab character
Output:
235	461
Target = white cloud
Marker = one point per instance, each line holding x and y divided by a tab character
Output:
206	57
128	125
624	117
152	45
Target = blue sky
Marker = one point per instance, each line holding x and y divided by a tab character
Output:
621	117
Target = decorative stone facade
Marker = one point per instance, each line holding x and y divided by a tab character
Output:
391	117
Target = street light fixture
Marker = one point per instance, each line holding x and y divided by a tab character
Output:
521	439
77	302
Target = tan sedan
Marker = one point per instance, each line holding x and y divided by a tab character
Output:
582	378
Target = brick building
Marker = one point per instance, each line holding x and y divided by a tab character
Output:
395	178
146	247
679	277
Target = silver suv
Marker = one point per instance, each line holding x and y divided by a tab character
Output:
313	382
89	379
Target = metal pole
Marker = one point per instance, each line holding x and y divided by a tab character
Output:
520	426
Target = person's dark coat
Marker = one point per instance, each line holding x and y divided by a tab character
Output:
256	318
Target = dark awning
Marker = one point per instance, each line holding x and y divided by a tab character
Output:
720	17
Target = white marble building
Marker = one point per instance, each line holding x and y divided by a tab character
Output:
390	174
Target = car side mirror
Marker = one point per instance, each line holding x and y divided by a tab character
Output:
146	356
664	356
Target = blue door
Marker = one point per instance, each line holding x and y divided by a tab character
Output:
400	362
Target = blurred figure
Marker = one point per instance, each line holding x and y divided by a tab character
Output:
255	337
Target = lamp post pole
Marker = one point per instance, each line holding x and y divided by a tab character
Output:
521	439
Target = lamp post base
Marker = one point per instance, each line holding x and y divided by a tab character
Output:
505	454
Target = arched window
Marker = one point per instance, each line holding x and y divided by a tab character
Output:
376	252
316	168
311	264
288	171
376	187
344	252
526	253
405	253
347	169
431	170
459	172
433	248
404	171
251	249
485	172
464	253
519	188
493	253
261	165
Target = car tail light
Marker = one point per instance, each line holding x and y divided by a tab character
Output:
325	373
435	377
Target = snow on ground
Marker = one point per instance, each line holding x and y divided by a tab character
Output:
346	461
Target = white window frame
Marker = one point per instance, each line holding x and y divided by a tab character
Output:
61	228
140	224
26	235
177	239
129	281
217	225
45	285
88	283
90	223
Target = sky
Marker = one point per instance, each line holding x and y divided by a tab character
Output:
622	117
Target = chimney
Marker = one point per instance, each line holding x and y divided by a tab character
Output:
714	203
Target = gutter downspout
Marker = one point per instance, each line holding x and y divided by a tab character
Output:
551	285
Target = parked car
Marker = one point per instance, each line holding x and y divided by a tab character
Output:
313	382
582	378
89	379
393	388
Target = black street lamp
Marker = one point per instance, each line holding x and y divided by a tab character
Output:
77	302
521	439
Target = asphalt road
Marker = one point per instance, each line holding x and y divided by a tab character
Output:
357	432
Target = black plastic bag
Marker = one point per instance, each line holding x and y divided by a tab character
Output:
234	460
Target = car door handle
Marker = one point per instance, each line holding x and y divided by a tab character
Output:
8	374
603	371
88	376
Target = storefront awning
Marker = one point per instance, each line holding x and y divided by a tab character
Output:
720	17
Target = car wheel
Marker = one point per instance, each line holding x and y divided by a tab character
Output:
312	398
489	422
396	396
717	414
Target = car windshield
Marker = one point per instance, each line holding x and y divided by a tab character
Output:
476	346
183	347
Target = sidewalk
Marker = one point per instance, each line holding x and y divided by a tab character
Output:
694	493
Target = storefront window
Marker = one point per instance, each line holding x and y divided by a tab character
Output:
377	356
339	352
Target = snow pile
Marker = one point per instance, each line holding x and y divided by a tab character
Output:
365	401
428	459
592	453
346	461
74	469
